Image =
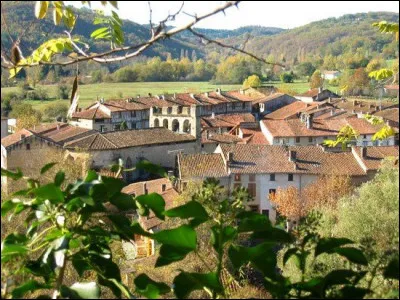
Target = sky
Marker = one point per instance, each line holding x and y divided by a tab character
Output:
283	14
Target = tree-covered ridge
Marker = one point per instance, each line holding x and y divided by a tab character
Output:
348	35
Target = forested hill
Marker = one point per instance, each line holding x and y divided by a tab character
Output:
348	34
336	36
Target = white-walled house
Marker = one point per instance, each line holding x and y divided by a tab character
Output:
262	169
329	75
312	131
317	94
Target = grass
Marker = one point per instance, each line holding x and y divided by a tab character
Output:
90	93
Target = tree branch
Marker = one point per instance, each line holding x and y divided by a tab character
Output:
220	44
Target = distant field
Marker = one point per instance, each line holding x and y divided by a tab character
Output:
91	92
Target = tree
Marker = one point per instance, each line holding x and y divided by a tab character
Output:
287	77
289	203
55	111
26	116
305	69
63	91
316	80
252	81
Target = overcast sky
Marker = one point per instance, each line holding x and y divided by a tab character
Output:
285	14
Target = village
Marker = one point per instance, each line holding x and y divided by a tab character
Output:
258	139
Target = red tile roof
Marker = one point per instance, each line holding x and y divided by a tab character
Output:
202	166
227	120
129	138
254	136
90	114
291	110
15	138
375	155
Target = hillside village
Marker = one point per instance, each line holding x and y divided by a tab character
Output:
256	138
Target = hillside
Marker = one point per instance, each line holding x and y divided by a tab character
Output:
333	36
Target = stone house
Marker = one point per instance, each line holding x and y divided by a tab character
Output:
317	94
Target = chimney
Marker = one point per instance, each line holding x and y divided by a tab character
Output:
230	157
329	100
354	102
388	122
162	97
192	96
58	126
101	100
241	91
309	122
332	112
218	91
150	95
292	155
138	96
206	94
145	191
363	152
213	115
320	90
22	136
208	135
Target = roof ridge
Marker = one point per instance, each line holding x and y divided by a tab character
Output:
116	147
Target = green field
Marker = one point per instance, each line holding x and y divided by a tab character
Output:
89	93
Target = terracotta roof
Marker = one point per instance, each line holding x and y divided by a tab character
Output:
58	133
226	120
270	97
310	93
15	138
290	110
391	114
219	138
375	155
254	136
129	138
90	114
253	159
202	166
152	186
297	128
360	106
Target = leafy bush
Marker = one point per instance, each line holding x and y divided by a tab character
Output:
70	224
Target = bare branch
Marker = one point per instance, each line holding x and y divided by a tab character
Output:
220	44
140	48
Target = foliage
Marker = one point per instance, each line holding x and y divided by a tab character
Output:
70	225
63	91
252	81
316	80
287	77
26	115
346	136
56	112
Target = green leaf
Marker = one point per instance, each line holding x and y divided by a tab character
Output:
126	228
352	254
105	266
8	205
29	286
185	283
13	175
69	18
147	166
57	13
49	192
288	254
47	167
326	245
116	287
220	237
100	33
351	292
191	210
123	201
149	288
155	202
13	245
253	222
59	179
41	8
113	185
338	277
392	270
176	244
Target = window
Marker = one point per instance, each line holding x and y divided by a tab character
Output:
310	139
237	177
290	177
365	136
265	212
164	187
117	127
252	189
180	109
117	115
103	128
28	146
252	177
254	208
169	110
365	143
297	140
272	193
272	177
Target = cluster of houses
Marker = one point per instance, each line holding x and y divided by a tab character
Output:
255	138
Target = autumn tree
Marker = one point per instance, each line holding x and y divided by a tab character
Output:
316	80
26	115
252	81
289	203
